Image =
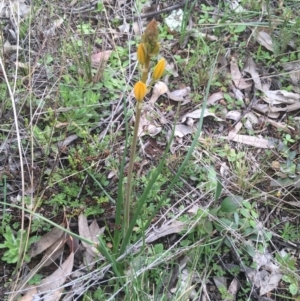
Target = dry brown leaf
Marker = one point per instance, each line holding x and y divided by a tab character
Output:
176	95
100	58
182	130
89	233
233	115
67	141
221	284
265	109
251	69
30	293
2	9
294	69
7	47
111	174
267	275
53	252
215	97
289	108
280	125
49	257
276	97
236	75
233	289
95	231
52	283
197	113
181	95
238	94
251	119
88	263
174	227
46	241
264	39
234	131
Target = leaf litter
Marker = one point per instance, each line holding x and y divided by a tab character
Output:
275	102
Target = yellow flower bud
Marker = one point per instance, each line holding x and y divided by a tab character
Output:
140	90
141	54
159	69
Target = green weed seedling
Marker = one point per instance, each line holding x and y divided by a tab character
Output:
16	245
205	17
288	264
290	232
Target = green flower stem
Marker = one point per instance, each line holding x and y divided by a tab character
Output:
133	149
130	167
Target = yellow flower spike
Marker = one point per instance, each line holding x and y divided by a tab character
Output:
150	38
140	90
151	33
141	54
159	69
152	50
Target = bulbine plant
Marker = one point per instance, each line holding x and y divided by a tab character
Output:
148	48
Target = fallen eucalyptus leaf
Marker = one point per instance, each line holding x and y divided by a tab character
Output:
253	141
182	130
233	115
232	133
264	39
251	69
236	75
100	58
280	97
215	97
197	113
294	69
180	95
